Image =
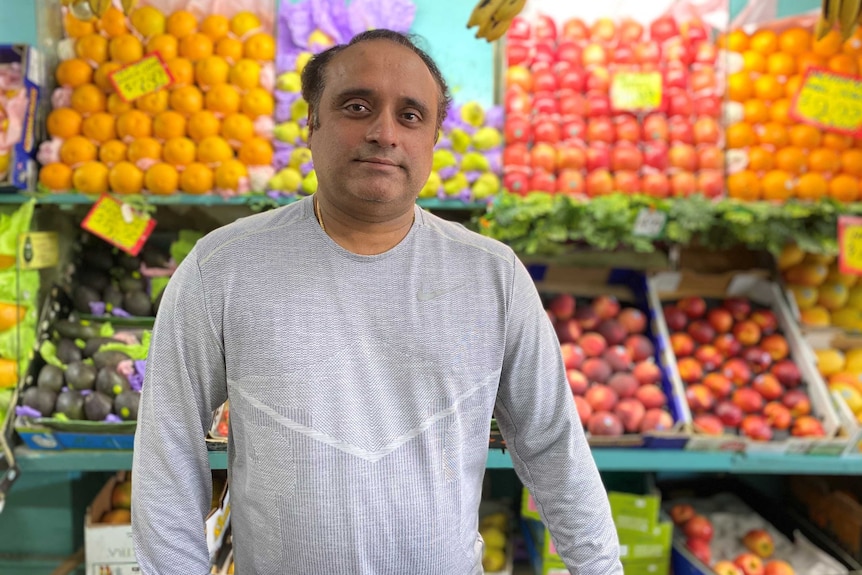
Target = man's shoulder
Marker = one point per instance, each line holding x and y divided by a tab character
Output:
457	236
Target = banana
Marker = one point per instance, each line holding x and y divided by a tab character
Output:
496	30
849	17
829	13
128	6
99	7
482	12
508	9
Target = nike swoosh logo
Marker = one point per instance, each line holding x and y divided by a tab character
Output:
429	295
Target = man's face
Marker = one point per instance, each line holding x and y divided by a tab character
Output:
377	126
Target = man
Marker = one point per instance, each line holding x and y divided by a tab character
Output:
364	345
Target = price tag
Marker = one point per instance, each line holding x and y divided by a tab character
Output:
118	224
850	244
38	250
830	101
649	223
632	91
140	78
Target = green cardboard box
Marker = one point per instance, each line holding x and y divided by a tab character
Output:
647	547
637	514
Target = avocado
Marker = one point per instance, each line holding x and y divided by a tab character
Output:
94	343
109	358
132	284
97	406
129	263
111	383
126	405
138	303
42	400
67	351
83	296
154	258
50	378
93	279
112	296
98	258
80	375
71	404
75	330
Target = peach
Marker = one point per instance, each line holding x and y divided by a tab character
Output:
568	331
699	398
748	400
729	413
797	402
647	372
768	386
758	359
682	344
739	307
612	331
690	370
593	344
681	513
596	369
640	347
604	423
618	357
787	373
776	346
747	333
718	384
759	542
756	427
727	345
631	413
573	355
807	426
562	306
726	568
709	357
578	382
737	371
675	318
656	419
584	409
700	549
766	319
606	307
778	567
624	384
701	331
720	319
587	318
778	416
651	396
694	307
633	320
601	397
708	424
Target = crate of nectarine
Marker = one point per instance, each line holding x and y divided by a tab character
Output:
748	375
607	340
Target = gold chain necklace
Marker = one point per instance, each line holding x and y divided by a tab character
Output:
320	217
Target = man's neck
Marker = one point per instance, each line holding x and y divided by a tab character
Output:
362	237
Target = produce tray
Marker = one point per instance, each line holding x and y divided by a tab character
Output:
670	286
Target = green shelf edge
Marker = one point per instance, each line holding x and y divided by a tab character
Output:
630	460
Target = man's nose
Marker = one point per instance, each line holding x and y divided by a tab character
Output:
383	130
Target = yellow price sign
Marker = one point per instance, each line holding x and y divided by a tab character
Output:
38	250
636	91
119	224
850	244
830	101
140	78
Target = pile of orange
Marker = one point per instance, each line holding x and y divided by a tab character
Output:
194	136
778	157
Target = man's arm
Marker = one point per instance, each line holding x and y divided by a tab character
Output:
171	479
539	421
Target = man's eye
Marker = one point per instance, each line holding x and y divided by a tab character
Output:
356	107
411	117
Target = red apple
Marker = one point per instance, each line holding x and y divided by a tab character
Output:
594	55
710	158
600	130
599	183
647	52
705	53
756	427
574	129
518	53
706	131
517	182
575	29
623	55
544	27
517	130
726	568
542	181
663	28
681	513
547	131
570	182
729	413
694	30
627	182
516	155
545	81
598	79
630	31
679	103
710	183
574	79
698	527
545	107
543	156
519	76
627	129
700	549
519	29
604	30
750	564
778	567
571	157
680	130
655	127
683	156
676	74
625	156
707	105
677	51
655	155
598	157
683	184
517	102
656	185
598	104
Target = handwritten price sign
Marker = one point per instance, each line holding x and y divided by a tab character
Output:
118	224
633	91
140	78
830	101
850	245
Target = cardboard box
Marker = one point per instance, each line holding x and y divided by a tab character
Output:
634	514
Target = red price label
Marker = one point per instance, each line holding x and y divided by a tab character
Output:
119	224
147	75
830	101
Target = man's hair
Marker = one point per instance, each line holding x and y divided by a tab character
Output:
314	73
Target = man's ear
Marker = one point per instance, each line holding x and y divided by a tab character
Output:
310	121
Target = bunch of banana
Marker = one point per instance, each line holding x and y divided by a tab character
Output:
90	9
846	13
493	17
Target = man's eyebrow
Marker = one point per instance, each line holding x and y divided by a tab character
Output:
367	93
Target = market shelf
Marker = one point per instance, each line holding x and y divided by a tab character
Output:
633	460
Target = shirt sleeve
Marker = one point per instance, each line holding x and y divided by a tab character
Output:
184	383
539	421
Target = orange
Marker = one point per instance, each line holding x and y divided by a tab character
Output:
810	60
773	134
230	49
162	179
126	49
91	178
169	124
179	151
740	135
202	125
64	123
851	162
88	99
74	73
735	41
99	127
768	88
843	64
92	48
791	159
781	64
811	186
182	23
244	22
764	41
224	99
211	71
755	111
166	45
148	21
215	26
153	103
257	102
829	45
245	74
112	152
187	100
116	106
182	71
126	178
76	28
260	47
196	179
753	61
777	185
779	111
214	150
805	136
795	41
196	47
256	152
144	149
229	174
744	185
112	22
739	87
102	76
791	87
838	142
57	177
760	159
844	188
134	124
237	127
824	160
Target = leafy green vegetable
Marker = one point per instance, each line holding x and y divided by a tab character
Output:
139	351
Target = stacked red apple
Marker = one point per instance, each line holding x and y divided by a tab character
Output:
759	545
563	134
737	372
610	365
